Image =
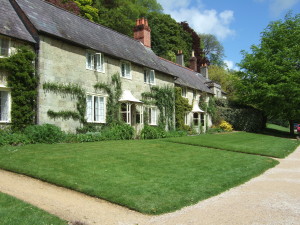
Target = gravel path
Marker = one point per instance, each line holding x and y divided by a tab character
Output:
272	198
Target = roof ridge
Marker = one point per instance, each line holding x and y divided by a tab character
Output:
98	24
184	67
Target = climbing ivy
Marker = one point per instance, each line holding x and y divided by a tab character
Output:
114	91
181	107
22	80
73	90
163	98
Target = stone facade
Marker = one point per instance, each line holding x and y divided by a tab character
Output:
64	63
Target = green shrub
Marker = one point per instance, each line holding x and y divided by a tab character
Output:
244	119
118	132
151	132
46	133
9	138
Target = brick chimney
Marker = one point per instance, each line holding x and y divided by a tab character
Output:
142	32
204	70
180	58
193	62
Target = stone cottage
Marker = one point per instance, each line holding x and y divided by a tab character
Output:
74	51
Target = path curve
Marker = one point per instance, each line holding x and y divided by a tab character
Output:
272	198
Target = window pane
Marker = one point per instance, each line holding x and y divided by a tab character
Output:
4	45
89	61
123	70
152	77
96	109
89	114
4	106
101	109
145	76
153	116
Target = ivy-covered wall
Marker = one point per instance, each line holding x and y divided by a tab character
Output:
22	81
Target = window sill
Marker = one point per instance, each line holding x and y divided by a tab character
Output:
96	122
150	83
127	78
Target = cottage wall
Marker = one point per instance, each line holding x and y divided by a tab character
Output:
62	62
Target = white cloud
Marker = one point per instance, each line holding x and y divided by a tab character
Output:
202	21
276	7
231	65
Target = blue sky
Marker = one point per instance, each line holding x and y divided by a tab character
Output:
236	23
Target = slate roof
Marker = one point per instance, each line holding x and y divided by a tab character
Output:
186	76
53	20
10	23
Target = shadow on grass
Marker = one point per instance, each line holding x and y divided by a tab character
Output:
279	133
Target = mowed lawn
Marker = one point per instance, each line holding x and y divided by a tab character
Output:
242	142
150	176
16	212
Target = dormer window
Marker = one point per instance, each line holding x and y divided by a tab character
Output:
4	47
125	69
149	76
95	61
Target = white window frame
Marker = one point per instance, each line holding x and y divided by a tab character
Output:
5	106
196	119
96	63
127	112
127	74
194	94
149	76
151	111
91	110
184	92
8	46
186	115
140	110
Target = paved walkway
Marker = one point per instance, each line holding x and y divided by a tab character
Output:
272	198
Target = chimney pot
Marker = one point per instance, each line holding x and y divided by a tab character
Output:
180	58
142	32
193	62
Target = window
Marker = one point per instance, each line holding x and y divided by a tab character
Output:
202	119
4	106
95	61
194	94
183	92
125	69
196	119
95	109
139	114
149	76
186	118
126	112
4	47
152	116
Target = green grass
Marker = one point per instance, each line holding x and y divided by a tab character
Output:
152	177
278	128
14	211
243	142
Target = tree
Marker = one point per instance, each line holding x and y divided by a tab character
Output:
87	10
212	49
121	15
167	36
226	78
196	46
66	4
270	79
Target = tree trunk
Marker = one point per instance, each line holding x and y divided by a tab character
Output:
291	127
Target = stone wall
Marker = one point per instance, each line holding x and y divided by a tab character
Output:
61	62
